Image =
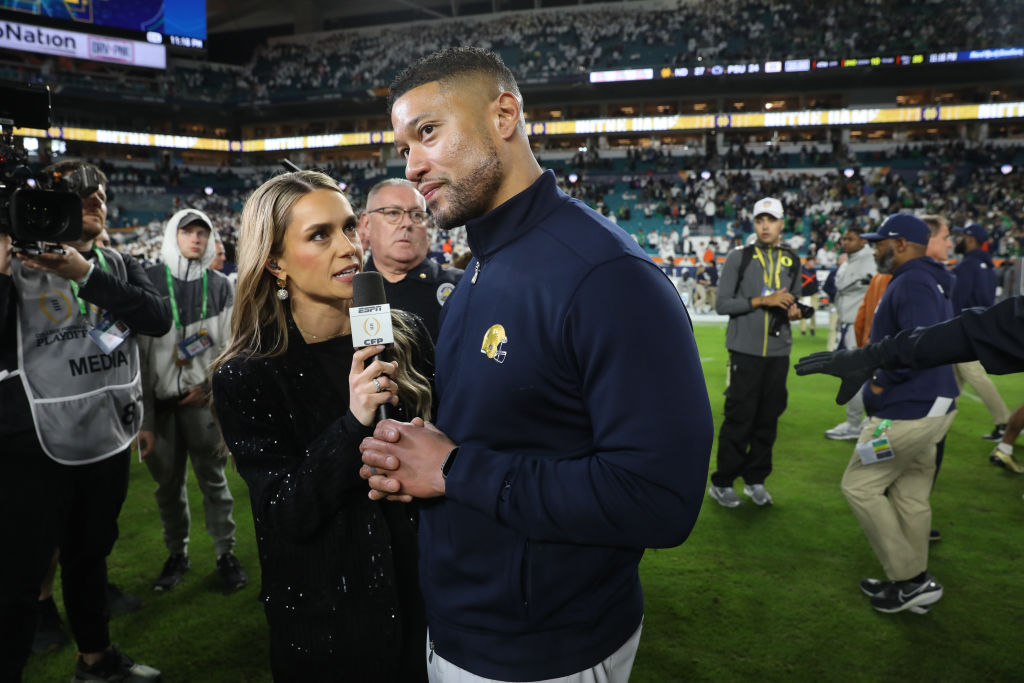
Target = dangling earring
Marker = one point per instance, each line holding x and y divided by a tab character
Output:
282	293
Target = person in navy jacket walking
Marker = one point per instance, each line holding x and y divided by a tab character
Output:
889	478
976	282
574	428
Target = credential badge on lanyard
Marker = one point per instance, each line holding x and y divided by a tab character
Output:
108	332
194	344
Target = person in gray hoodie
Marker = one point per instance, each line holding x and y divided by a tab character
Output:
852	281
178	424
756	290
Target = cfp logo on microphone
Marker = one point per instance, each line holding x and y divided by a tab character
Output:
371	325
494	339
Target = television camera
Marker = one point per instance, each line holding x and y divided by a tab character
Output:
38	210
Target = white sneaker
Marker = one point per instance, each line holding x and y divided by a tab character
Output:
844	431
758	493
725	495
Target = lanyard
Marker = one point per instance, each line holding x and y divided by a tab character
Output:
174	301
772	265
74	285
882	426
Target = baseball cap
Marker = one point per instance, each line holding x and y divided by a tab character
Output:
768	205
190	216
976	231
910	228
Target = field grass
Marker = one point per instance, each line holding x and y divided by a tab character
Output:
754	594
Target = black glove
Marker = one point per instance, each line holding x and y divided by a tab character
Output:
852	366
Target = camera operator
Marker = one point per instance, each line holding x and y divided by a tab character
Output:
72	403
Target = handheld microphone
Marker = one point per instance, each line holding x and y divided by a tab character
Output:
370	316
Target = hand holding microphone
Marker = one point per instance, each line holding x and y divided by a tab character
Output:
371	384
370	316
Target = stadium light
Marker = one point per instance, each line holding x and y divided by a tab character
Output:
573	178
342	185
208	191
849	172
705	175
1006	169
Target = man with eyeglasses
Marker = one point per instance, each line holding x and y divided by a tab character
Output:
395	226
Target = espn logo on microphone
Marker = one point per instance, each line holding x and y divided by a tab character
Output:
371	325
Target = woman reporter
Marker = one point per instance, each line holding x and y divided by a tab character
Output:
294	401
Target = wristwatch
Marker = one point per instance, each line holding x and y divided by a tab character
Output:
446	466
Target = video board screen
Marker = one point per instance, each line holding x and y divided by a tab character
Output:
182	19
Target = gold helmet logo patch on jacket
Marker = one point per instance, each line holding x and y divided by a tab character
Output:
494	339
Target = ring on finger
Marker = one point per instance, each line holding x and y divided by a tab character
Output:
373	471
377	386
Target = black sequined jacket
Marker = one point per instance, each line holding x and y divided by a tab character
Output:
338	570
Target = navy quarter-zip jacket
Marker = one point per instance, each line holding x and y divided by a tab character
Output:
918	296
569	377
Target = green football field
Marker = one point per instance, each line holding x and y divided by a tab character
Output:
753	594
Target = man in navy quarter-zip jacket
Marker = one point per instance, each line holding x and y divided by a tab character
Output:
889	478
574	428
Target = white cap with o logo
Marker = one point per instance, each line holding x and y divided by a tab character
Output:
768	205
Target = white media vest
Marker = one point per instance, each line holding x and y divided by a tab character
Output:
86	404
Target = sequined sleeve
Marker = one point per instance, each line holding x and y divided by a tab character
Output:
297	480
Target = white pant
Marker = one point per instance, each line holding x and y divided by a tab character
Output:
613	669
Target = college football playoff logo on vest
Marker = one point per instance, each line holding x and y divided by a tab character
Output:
494	339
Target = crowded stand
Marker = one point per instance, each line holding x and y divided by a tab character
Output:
554	46
643	191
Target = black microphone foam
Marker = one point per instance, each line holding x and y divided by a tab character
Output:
368	290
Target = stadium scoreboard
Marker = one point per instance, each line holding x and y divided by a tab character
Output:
133	32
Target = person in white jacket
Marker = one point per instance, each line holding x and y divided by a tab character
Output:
852	280
178	424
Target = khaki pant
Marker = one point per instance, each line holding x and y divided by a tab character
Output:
897	525
700	298
974	374
833	329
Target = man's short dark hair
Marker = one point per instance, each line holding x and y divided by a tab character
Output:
451	64
67	165
856	230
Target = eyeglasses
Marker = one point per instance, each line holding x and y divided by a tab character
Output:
393	215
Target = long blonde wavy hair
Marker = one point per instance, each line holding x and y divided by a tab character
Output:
259	322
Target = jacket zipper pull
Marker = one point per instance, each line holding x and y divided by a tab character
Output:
430	657
476	273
